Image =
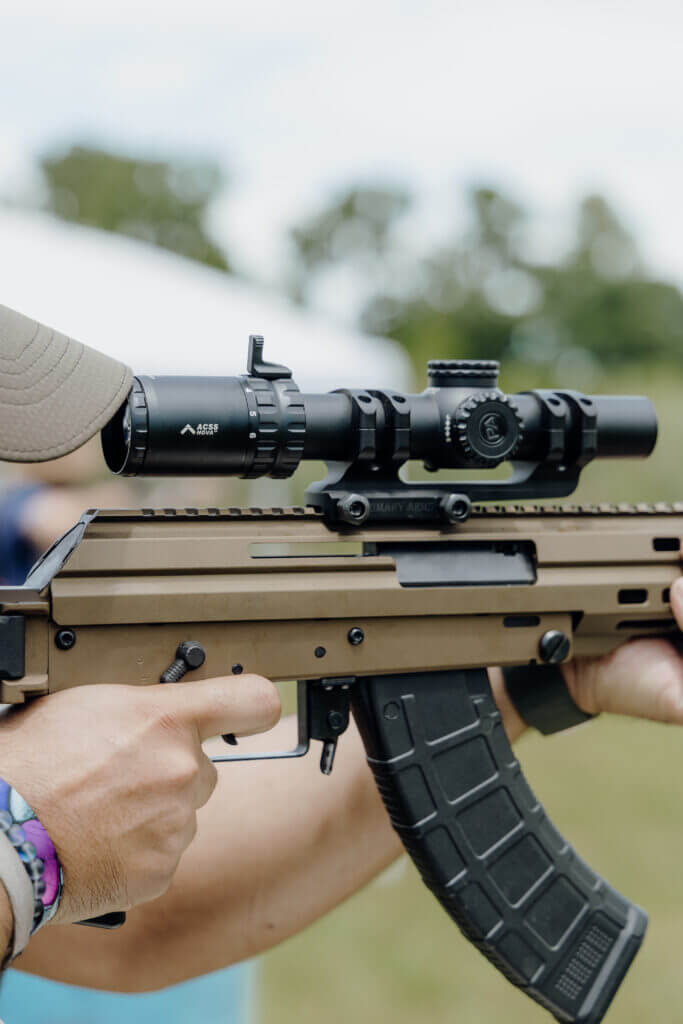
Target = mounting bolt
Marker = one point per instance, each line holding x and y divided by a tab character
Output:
355	636
189	655
553	646
353	509
335	720
237	669
456	508
320	652
65	639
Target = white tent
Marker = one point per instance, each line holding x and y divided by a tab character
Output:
161	313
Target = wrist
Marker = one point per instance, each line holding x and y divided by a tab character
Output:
35	854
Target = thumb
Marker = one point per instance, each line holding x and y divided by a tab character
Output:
643	678
239	704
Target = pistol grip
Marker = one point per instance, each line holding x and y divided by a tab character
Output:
484	845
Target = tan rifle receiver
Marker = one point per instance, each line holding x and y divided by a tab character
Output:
396	623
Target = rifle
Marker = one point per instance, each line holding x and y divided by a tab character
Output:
386	598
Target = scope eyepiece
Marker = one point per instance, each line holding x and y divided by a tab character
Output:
260	424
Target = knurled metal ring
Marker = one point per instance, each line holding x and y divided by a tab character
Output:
470	428
449	370
139	428
277	427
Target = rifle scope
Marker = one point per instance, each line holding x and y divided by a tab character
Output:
260	424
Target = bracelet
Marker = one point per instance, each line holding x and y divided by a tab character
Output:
36	852
19	891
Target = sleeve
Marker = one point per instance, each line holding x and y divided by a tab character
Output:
17	554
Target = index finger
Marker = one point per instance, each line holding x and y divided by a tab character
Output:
239	704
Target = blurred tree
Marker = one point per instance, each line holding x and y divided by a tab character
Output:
161	202
482	296
355	228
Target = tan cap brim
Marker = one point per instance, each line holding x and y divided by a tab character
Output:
55	393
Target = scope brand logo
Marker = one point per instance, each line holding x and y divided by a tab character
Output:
493	428
411	508
201	430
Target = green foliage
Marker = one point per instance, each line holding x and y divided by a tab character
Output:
482	296
355	226
161	202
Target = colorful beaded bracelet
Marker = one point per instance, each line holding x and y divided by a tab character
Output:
35	850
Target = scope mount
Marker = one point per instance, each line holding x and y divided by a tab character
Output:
363	490
352	497
369	487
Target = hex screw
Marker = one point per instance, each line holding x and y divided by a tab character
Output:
353	509
237	669
553	646
456	508
65	639
355	636
320	652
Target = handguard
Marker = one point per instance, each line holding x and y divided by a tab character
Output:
484	845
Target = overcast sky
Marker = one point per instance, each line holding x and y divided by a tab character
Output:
547	98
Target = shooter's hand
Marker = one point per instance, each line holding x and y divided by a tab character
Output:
643	678
116	774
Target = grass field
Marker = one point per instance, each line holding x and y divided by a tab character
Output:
391	954
614	788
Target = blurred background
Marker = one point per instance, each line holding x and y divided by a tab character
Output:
370	186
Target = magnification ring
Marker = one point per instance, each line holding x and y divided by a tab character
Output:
277	426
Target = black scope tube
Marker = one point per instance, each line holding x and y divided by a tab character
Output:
227	425
626	425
